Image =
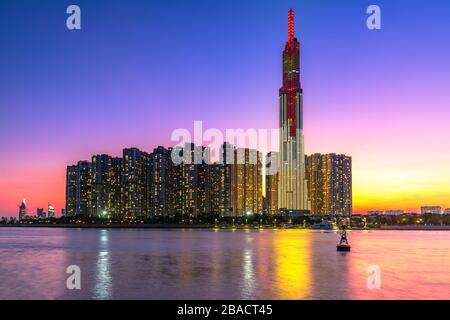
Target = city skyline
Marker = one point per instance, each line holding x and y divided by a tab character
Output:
398	148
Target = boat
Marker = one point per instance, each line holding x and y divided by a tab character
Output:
323	226
343	245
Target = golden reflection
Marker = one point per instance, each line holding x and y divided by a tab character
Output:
292	264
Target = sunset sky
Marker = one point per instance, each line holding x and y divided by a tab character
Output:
140	69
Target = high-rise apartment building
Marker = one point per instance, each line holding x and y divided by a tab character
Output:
115	188
83	200
191	193
271	177
159	182
329	178
101	185
221	182
247	182
71	190
134	183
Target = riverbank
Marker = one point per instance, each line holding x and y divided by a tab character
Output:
110	226
416	228
199	226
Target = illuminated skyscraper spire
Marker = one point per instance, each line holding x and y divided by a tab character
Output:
290	25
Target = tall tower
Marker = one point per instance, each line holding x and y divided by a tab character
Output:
292	189
22	209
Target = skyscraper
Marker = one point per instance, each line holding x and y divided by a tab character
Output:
247	182
191	193
40	213
134	183
271	185
115	192
159	184
329	179
50	211
106	187
220	182
71	190
22	209
101	187
84	188
292	190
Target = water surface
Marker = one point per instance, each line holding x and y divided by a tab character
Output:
208	264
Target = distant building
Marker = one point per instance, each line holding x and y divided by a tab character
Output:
447	211
63	212
51	211
271	177
22	209
329	178
40	213
374	213
431	210
394	212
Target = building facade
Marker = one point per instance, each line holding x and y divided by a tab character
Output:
221	183
329	178
141	185
190	181
159	182
71	190
271	198
101	185
247	182
50	211
431	210
22	209
134	183
40	213
83	199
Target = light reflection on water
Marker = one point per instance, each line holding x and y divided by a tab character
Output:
208	264
103	285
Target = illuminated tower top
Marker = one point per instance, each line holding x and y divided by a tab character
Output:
291	77
290	26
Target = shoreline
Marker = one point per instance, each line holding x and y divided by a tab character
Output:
187	226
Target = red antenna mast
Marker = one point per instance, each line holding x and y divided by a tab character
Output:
290	25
